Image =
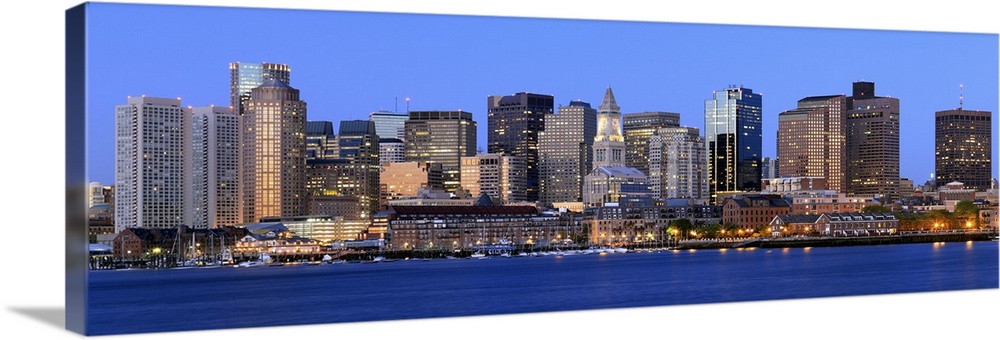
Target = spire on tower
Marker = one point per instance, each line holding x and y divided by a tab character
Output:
609	104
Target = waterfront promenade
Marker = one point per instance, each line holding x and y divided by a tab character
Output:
830	241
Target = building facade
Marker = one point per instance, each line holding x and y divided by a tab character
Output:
677	164
754	211
323	228
812	141
514	123
566	152
872	143
404	180
274	152
391	150
769	168
472	227
358	144
638	128
389	124
642	225
832	224
792	185
609	144
502	177
332	205
963	147
215	163
321	140
152	157
442	137
733	141
830	203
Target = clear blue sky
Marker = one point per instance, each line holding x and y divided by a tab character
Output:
348	64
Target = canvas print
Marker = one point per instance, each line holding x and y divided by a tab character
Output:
253	167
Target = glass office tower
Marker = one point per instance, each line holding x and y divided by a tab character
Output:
733	140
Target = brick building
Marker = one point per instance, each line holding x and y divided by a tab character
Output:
754	211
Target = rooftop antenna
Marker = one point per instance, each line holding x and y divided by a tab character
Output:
395	107
961	95
407	105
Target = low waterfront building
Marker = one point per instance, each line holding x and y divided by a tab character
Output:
638	225
162	246
274	238
754	211
466	227
853	224
100	222
988	217
323	228
830	202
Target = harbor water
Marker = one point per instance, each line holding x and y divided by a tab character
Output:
157	300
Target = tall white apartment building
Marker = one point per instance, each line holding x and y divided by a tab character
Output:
499	176
566	153
215	167
677	163
152	149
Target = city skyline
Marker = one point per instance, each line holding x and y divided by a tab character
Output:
916	67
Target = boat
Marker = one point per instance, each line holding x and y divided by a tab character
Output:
377	259
995	238
504	254
478	255
249	264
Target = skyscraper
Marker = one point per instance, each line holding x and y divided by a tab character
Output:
357	143
274	152
811	140
244	77
963	147
152	153
321	141
502	177
733	140
677	163
442	137
638	128
215	163
389	124
513	124
565	152
872	143
610	181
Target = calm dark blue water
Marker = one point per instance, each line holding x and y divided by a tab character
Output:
212	298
